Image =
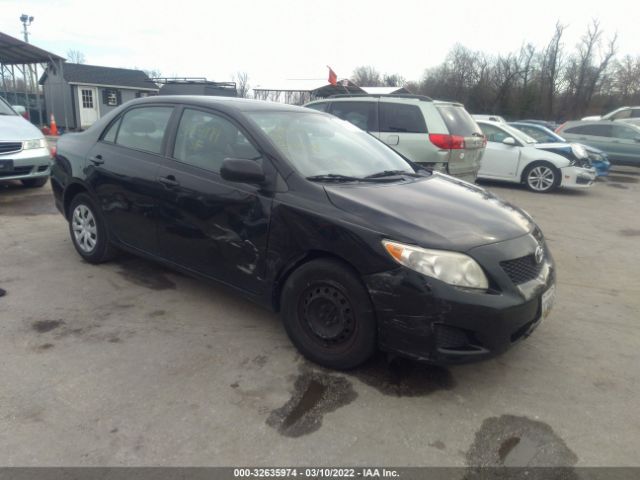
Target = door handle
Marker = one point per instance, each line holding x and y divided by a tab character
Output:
97	160
168	181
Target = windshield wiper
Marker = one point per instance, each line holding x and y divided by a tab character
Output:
334	177
393	173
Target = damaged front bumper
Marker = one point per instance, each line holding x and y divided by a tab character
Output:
426	319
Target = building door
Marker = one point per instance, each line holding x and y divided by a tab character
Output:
88	104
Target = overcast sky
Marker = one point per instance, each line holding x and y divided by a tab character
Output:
278	39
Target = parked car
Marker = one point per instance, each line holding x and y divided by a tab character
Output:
436	134
491	118
308	215
621	141
514	156
597	157
24	154
623	114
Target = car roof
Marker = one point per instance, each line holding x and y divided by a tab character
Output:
229	103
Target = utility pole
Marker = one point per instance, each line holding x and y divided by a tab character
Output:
26	21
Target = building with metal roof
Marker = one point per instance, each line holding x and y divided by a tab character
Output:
79	94
301	91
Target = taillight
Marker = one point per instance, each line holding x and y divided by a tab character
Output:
560	127
447	142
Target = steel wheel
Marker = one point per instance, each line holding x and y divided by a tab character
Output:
85	231
541	178
327	314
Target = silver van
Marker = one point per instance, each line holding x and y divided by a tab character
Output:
434	133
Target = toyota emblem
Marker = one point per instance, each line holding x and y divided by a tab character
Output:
539	255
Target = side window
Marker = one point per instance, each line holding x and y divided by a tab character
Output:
596	130
204	140
112	130
493	134
361	114
144	128
322	107
635	113
621	115
625	133
400	118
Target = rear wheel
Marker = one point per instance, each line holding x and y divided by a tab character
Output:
328	315
34	182
541	177
88	231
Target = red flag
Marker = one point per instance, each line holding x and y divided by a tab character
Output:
333	78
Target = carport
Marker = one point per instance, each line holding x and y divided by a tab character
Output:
21	65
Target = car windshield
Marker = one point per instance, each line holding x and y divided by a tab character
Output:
5	109
320	145
541	134
517	134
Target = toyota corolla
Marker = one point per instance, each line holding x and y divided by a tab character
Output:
354	245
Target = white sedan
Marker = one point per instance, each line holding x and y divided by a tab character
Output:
514	156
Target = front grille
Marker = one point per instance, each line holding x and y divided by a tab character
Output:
10	147
522	270
17	171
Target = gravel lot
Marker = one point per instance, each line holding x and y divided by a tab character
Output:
130	364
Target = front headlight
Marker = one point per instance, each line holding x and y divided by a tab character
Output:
579	151
451	267
36	143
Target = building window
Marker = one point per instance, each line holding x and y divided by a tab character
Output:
87	98
112	98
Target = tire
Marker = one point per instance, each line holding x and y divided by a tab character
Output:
328	314
541	177
88	230
34	182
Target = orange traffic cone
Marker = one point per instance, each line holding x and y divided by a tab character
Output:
53	126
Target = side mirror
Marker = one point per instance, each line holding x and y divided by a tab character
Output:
242	170
510	141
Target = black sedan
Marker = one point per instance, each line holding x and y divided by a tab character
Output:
357	247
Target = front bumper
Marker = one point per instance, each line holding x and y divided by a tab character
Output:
428	320
577	177
32	163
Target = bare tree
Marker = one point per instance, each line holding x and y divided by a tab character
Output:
242	84
551	66
366	77
393	80
75	56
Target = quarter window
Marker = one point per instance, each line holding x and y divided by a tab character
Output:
110	135
144	128
400	118
204	140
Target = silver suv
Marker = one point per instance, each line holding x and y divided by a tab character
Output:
24	154
434	133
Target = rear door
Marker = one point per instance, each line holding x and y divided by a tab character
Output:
465	162
205	223
403	127
122	169
626	143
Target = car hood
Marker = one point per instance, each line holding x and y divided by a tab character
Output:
434	212
14	128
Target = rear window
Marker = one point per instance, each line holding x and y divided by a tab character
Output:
458	120
397	117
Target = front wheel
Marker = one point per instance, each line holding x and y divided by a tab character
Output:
88	231
541	177
328	315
